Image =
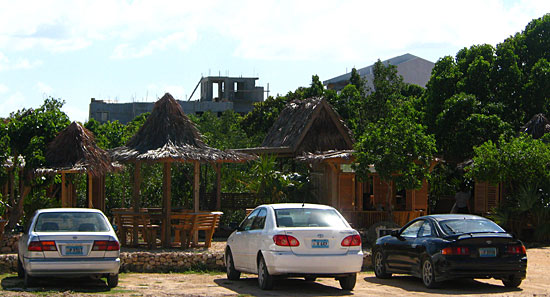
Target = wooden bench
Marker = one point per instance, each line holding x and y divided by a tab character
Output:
186	224
207	222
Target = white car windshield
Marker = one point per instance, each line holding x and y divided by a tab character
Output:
308	217
70	222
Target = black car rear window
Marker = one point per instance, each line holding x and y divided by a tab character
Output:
461	226
70	222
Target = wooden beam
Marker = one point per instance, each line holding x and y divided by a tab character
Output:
135	199
196	184
167	203
64	202
218	168
90	193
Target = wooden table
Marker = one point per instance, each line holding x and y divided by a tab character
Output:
130	222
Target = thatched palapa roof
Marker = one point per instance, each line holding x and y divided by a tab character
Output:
169	135
74	150
537	126
304	126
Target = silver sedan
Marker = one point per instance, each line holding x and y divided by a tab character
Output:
69	242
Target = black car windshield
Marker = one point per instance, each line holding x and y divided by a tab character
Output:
308	217
469	226
70	222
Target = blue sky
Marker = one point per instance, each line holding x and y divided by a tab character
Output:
138	50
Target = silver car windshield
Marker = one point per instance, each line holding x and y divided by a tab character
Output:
308	217
468	226
70	222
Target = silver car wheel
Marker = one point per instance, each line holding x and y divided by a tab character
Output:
378	263
428	276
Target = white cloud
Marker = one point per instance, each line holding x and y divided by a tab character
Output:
44	88
75	112
3	89
157	90
181	40
11	103
19	63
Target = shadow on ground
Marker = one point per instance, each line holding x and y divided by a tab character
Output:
52	285
282	287
450	287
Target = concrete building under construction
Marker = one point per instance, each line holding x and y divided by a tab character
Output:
217	94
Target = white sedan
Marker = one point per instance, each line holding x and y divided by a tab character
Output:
294	240
69	242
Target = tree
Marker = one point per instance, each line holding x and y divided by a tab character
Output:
29	132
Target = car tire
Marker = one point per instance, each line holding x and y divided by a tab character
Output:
379	265
112	280
232	273
20	269
428	273
265	280
348	283
512	281
310	278
28	280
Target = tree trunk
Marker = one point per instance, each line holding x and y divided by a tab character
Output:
16	209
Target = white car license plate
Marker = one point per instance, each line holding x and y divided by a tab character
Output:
73	250
319	243
487	252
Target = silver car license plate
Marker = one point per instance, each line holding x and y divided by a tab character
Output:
73	250
488	252
319	243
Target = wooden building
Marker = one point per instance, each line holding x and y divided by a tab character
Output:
311	131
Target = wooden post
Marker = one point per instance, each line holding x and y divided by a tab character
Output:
196	185
167	204
136	200
64	202
218	186
90	192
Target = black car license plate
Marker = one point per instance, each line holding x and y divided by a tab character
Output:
73	250
488	252
319	243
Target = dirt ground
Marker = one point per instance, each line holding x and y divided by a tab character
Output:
537	283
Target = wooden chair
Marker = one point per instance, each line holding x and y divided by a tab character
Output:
182	224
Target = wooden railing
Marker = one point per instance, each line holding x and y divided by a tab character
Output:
364	219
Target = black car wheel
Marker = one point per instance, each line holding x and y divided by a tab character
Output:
428	273
232	273
29	280
112	280
380	265
265	280
512	281
348	283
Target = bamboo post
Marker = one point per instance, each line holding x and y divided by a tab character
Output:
64	202
90	192
167	203
135	200
196	184
217	168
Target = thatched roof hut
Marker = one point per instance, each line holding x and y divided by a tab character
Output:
74	150
169	135
537	126
306	126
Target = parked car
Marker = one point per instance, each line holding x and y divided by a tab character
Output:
69	242
294	240
448	246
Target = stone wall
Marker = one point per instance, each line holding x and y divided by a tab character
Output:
9	243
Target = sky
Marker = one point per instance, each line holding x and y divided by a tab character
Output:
128	51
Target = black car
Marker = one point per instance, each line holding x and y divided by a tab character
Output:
448	246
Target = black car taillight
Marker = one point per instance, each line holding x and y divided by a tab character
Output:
459	251
352	240
42	246
516	249
105	245
285	240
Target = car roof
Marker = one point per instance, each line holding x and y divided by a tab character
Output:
45	210
297	205
443	217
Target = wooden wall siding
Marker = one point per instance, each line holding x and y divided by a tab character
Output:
421	197
486	197
98	193
346	191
